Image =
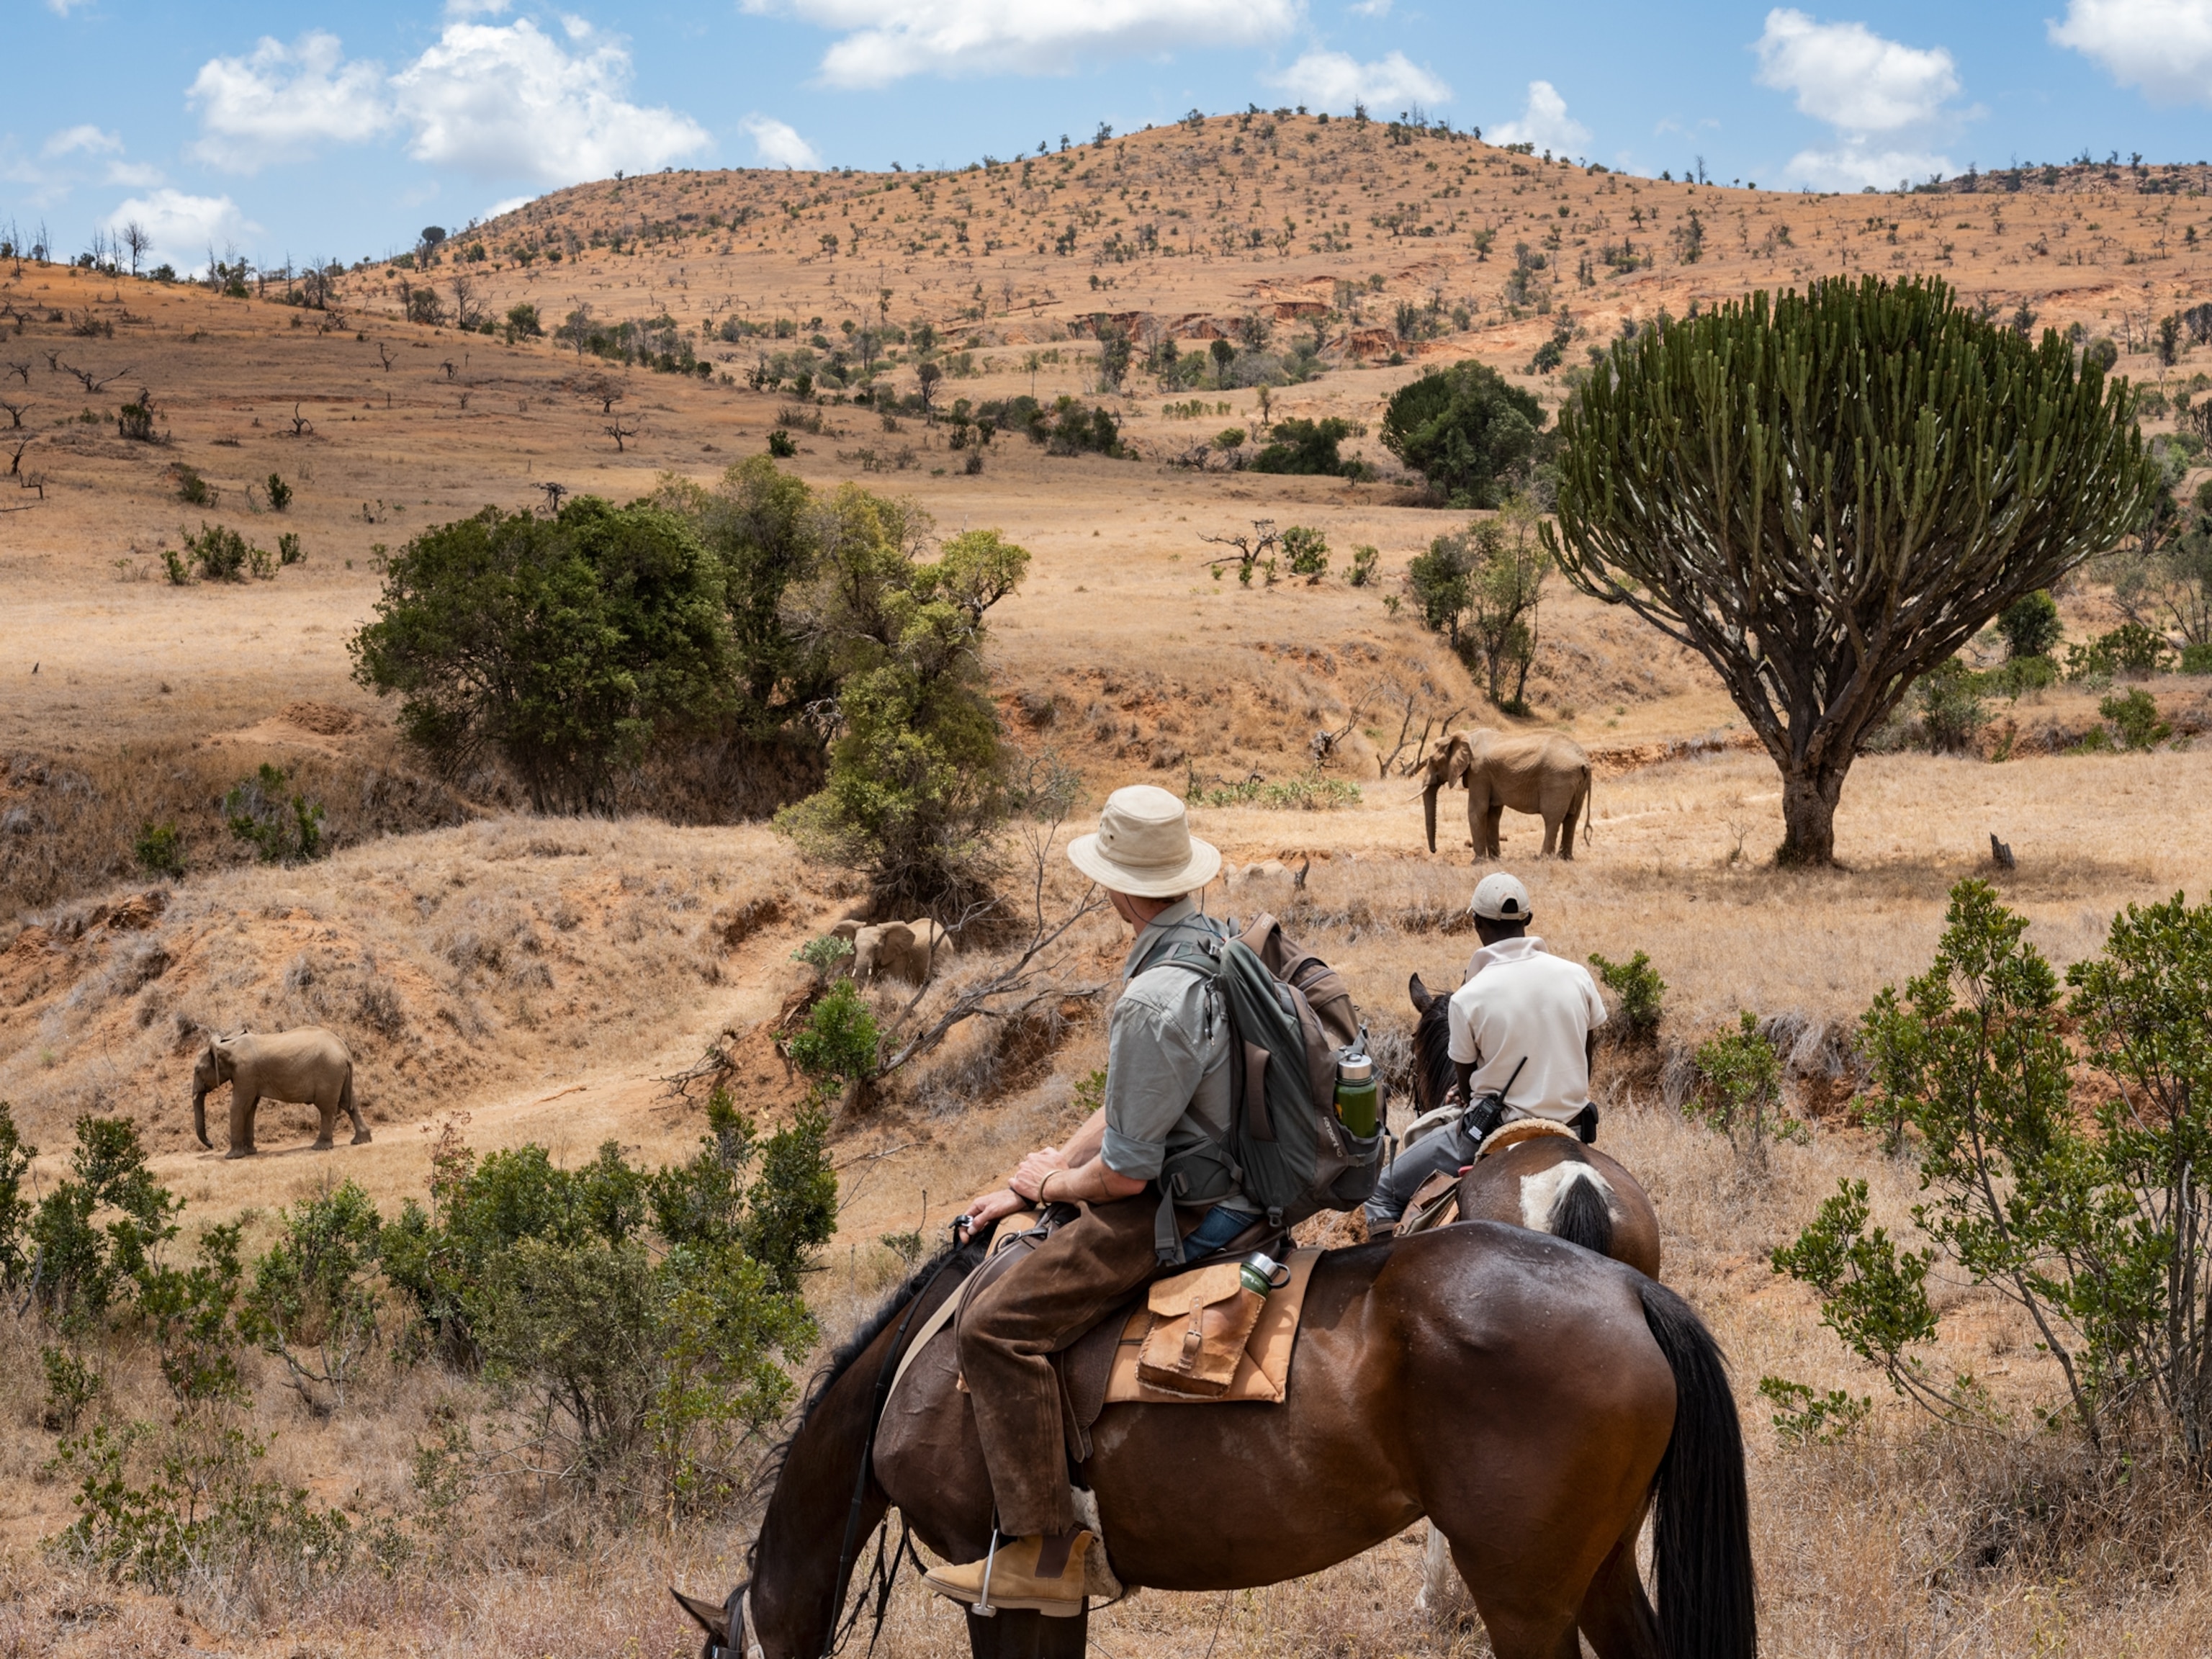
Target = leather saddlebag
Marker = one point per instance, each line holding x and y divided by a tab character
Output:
1201	1321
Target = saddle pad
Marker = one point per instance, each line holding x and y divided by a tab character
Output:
1521	1129
1263	1374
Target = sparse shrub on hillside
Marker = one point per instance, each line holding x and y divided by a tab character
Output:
567	645
838	1045
2030	625
224	555
780	445
1482	588
1742	1097
1819	637
1365	557
160	849
2131	651
314	1300
281	828
1466	430
1639	988
2085	1210
2137	720
1307	551
1951	715
192	489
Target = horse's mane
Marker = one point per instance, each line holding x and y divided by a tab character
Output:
841	1358
1432	1062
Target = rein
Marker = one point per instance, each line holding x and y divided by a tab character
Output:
845	1555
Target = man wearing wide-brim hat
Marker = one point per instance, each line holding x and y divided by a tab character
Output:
1167	1082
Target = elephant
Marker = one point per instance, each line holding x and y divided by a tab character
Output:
900	949
1542	773
310	1065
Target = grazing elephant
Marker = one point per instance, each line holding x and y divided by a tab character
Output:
900	949
310	1065
1541	773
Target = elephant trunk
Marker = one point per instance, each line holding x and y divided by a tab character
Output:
1429	812
199	1117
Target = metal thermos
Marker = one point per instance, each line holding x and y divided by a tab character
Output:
1357	1100
1257	1272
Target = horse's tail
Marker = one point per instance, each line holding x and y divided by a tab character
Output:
1580	1214
1702	1538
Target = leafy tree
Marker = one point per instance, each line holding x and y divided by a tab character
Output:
2030	625
1641	991
313	1302
917	769
1308	552
94	1234
1464	429
1481	587
566	645
1826	494
1309	448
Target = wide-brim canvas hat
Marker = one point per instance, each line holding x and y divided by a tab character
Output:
1144	846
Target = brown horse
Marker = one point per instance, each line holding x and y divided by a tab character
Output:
1532	1184
1534	1400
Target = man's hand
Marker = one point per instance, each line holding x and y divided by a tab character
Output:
1038	1165
988	1209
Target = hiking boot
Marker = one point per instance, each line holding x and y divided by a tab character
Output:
1041	1575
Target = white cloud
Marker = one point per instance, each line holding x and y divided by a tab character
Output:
511	103
183	228
1336	81
475	7
500	209
1851	77
63	8
1853	167
777	143
886	40
1370	7
87	138
2164	46
502	102
133	175
268	105
1544	123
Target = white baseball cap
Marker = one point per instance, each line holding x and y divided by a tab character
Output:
1500	898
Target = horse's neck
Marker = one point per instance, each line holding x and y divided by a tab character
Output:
795	1594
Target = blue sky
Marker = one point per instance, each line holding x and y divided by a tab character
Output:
235	126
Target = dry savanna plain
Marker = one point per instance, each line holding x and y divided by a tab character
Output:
507	979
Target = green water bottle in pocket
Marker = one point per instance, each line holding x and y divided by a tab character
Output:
1357	1100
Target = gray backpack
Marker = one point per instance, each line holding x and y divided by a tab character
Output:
1290	1017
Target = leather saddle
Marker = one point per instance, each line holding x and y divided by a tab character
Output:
1100	1365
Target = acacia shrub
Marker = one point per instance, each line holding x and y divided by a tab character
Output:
1465	429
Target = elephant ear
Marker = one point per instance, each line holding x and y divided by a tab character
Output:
845	930
895	937
1458	760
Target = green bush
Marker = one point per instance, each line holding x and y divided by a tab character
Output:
16	1252
2131	651
313	1303
281	828
1742	1093
1806	1418
2197	659
280	494
192	1315
191	489
173	562
1465	429
781	445
1307	551
2030	625
2014	677
222	554
288	548
566	645
1229	437
1639	988
90	1238
2078	1201
2137	718
839	1044
1951	715
1481	587
159	849
1364	560
637	1318
1308	447
824	953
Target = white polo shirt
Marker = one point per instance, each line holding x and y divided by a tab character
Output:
1521	1002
